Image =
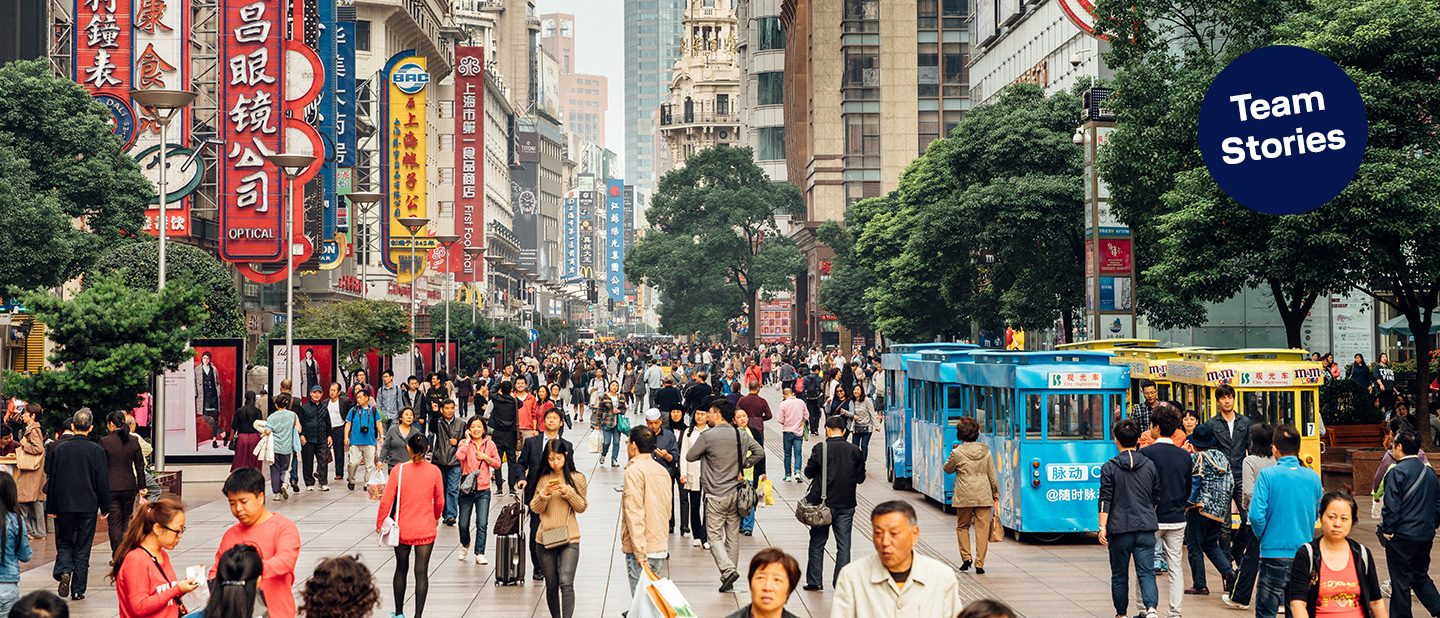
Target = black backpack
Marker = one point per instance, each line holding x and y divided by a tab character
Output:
812	386
508	522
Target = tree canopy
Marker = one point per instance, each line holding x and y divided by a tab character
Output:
714	245
360	325
477	341
59	162
137	265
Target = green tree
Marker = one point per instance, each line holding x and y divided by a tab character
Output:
59	163
137	265
360	325
714	228
478	340
843	294
1391	210
109	340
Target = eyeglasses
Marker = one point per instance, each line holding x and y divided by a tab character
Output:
180	532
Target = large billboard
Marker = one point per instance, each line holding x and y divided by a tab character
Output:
252	47
201	397
101	54
469	162
572	237
162	62
524	198
403	154
615	239
586	247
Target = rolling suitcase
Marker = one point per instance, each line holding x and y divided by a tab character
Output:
510	547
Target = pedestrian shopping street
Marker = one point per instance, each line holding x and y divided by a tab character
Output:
1069	578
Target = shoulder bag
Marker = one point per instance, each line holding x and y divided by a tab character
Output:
815	515
26	461
745	497
390	528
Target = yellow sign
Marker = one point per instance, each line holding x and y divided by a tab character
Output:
405	165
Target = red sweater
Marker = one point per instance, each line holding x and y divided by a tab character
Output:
146	591
278	540
528	413
422	501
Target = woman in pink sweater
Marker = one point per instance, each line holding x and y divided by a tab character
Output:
478	457
417	496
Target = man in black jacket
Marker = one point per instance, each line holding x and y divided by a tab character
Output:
506	433
1129	491
1172	467
666	398
533	464
697	396
1232	431
314	439
78	487
844	469
1407	526
448	431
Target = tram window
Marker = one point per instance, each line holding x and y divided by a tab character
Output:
1274	407
1033	414
1076	417
1162	391
1307	413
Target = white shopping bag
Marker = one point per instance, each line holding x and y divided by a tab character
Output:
594	441
657	597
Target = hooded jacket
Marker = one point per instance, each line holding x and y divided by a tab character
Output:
1129	491
975	483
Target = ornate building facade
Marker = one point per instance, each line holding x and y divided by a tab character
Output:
703	109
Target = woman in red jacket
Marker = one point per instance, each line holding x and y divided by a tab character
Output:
144	580
417	496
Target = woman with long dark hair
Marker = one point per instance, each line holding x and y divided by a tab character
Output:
236	591
479	457
14	544
126	471
559	496
416	497
246	436
145	582
862	420
839	403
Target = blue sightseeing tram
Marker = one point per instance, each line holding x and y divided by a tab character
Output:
898	407
1045	417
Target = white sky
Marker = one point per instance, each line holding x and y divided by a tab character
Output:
600	49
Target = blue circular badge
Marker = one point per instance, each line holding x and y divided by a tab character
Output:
122	118
409	77
1283	130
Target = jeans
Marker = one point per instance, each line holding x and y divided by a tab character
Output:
1169	542
696	515
310	463
479	502
1202	540
74	535
121	505
1124	548
722	527
1270	588
632	568
792	445
611	443
842	521
1244	585
360	458
451	476
278	468
1409	564
337	452
559	566
9	595
862	440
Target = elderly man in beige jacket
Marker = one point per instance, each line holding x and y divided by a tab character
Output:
645	508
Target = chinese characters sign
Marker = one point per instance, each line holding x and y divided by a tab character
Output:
572	238
102	64
404	155
162	62
252	63
587	232
615	239
469	161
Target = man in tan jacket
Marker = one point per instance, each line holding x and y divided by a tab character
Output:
645	508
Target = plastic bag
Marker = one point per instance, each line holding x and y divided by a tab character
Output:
594	442
375	486
657	597
768	491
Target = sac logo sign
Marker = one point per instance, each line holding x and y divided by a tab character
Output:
410	77
1283	130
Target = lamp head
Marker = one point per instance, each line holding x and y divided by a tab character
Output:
414	224
291	163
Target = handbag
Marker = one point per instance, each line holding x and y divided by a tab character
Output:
745	497
390	528
767	490
622	423
997	531
551	538
816	515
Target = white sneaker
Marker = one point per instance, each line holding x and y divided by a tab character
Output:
706	545
1225	598
463	555
324	488
480	559
309	488
695	542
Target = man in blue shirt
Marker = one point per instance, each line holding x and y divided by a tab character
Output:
362	427
1282	516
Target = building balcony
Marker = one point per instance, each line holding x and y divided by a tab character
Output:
670	117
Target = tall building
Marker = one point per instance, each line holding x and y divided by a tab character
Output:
652	43
703	109
762	83
1032	42
905	57
584	98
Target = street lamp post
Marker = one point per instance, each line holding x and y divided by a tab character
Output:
291	164
365	200
163	106
477	254
414	225
448	241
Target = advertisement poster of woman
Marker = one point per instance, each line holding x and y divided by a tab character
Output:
201	397
317	363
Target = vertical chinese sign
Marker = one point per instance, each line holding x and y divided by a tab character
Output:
586	237
159	30
252	47
469	162
345	141
615	239
403	154
572	237
101	55
324	117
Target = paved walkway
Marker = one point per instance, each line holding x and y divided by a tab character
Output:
1068	578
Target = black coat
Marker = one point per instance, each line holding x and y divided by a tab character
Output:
78	478
667	398
1172	467
314	422
1129	489
697	397
1414	517
1235	447
845	470
502	421
125	465
533	463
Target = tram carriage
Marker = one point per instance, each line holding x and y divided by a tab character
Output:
1046	418
898	409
